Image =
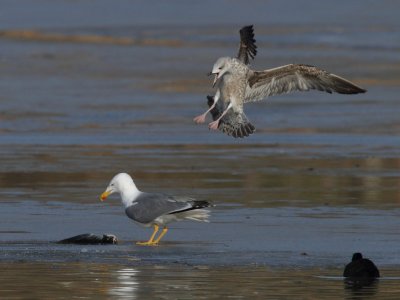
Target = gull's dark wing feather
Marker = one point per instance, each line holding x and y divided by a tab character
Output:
247	46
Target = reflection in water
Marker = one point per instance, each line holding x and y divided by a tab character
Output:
127	284
75	110
172	281
358	287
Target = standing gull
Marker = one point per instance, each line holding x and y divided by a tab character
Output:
151	209
237	84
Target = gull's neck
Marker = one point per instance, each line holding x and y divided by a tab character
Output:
128	194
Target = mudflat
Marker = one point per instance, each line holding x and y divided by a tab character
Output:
84	100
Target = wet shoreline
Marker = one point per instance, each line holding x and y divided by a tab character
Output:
281	236
171	282
108	88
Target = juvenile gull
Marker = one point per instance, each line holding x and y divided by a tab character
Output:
153	209
247	50
237	84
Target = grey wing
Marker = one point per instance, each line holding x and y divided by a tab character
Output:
289	78
148	207
247	46
233	123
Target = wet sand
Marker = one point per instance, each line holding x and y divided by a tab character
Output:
281	237
89	95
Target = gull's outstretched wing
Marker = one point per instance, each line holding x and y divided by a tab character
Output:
247	46
289	78
233	123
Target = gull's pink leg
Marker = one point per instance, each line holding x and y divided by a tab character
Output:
214	125
202	118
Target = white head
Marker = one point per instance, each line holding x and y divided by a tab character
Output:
221	66
123	184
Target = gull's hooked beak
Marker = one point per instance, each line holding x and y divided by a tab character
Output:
215	79
105	195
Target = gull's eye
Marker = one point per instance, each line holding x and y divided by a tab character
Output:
112	184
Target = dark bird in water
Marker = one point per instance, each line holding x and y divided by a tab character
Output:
238	84
360	267
90	239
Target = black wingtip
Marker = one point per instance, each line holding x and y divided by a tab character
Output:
248	48
247	37
197	204
201	204
247	28
350	89
344	86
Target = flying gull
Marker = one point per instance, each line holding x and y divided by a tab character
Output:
247	51
151	209
237	84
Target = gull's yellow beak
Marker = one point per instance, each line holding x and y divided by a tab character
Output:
104	195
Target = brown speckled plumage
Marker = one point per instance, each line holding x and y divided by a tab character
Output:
238	84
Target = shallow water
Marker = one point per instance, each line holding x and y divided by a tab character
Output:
104	281
104	89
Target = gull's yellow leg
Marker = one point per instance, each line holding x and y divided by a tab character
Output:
163	232
150	241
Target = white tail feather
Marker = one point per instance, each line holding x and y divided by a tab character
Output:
200	215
